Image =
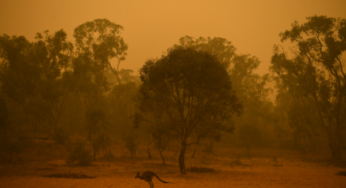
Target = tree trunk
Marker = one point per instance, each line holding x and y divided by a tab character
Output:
334	134
336	154
163	159
182	158
335	146
194	152
94	146
148	146
248	151
148	150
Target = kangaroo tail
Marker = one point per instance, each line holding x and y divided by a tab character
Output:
160	179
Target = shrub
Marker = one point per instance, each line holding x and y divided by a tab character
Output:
11	148
102	144
80	153
108	156
61	136
131	145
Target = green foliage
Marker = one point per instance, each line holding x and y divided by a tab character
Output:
80	153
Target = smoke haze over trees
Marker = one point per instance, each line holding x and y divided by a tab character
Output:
200	94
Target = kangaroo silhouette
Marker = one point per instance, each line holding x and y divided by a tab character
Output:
148	177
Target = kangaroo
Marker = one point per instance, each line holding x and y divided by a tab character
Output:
148	176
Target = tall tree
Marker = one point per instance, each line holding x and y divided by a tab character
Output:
317	71
299	112
35	75
97	43
220	47
187	87
4	122
252	89
101	41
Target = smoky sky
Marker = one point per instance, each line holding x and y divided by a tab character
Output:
152	26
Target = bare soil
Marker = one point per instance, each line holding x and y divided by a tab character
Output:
231	168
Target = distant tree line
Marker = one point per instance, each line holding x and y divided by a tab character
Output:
51	82
313	79
199	92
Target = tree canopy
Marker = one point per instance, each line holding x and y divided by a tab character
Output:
35	76
185	89
252	89
316	71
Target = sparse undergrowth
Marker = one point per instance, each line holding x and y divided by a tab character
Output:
80	153
70	175
200	169
341	173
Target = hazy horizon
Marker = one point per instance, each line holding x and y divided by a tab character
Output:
150	27
68	119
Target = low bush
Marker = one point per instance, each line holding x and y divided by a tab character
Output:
131	145
80	153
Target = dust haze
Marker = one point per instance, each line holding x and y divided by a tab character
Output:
172	94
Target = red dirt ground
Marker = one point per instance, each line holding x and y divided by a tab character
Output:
287	170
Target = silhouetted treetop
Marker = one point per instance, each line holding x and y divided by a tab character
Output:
316	71
186	89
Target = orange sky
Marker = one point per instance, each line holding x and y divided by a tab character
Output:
152	26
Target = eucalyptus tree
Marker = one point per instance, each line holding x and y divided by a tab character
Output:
184	89
36	75
241	67
101	41
220	47
252	89
316	71
4	119
299	113
97	43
